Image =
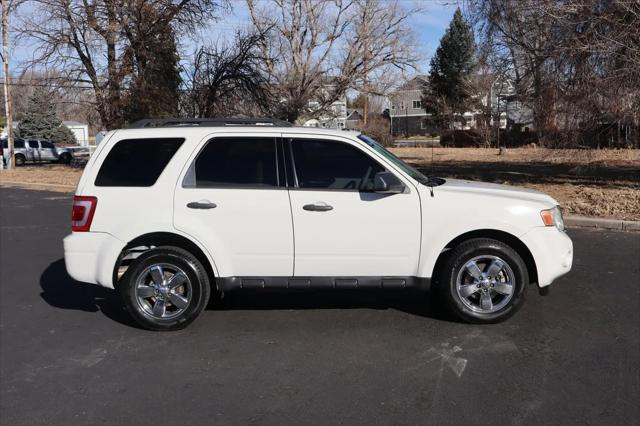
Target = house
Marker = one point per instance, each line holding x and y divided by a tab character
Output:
497	99
407	114
354	120
335	118
81	131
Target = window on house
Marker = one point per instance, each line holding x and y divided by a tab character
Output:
417	104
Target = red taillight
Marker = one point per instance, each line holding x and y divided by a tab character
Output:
82	213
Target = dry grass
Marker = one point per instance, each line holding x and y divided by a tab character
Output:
604	183
515	155
45	174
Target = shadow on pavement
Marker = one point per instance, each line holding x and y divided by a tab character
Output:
409	301
62	291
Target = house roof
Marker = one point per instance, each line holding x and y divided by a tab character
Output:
355	114
414	84
73	123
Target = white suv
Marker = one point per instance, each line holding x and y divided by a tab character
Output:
172	213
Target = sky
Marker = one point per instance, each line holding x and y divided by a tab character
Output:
428	25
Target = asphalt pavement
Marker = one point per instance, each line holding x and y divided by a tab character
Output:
69	353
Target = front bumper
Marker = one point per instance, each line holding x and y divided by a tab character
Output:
552	250
91	257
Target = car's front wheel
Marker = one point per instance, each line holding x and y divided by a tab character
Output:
483	281
165	288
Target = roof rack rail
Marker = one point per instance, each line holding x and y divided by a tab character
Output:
207	122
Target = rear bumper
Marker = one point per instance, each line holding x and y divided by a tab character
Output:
91	257
552	251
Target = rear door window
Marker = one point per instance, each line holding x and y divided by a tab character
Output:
46	144
239	162
137	162
33	144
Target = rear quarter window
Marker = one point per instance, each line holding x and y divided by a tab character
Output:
137	162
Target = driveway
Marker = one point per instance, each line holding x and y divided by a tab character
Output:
69	354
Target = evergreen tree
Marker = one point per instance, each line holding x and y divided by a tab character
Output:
447	90
155	87
40	120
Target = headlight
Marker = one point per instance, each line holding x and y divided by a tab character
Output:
553	217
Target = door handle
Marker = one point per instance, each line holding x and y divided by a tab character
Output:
318	207
202	204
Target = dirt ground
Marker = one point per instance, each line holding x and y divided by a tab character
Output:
603	183
43	174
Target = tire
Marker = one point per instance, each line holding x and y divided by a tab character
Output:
20	160
483	294
64	158
147	293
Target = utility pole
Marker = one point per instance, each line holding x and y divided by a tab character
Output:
365	104
7	93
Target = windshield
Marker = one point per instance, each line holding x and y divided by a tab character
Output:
395	160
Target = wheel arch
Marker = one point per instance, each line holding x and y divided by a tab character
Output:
145	242
502	236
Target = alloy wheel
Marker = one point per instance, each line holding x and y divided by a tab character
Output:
485	284
163	291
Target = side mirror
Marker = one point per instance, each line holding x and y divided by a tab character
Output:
387	183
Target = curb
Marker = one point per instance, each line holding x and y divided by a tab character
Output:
601	223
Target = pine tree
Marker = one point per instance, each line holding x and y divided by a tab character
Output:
447	90
155	89
41	121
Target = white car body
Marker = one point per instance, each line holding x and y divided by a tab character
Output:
266	233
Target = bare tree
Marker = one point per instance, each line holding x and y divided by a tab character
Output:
575	63
103	44
227	80
317	49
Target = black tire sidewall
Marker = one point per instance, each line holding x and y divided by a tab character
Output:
468	250
174	256
20	160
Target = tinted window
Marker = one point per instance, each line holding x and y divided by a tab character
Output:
137	162
244	162
333	165
46	144
19	143
33	144
5	143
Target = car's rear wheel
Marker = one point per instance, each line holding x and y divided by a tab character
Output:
20	160
65	158
166	288
483	281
